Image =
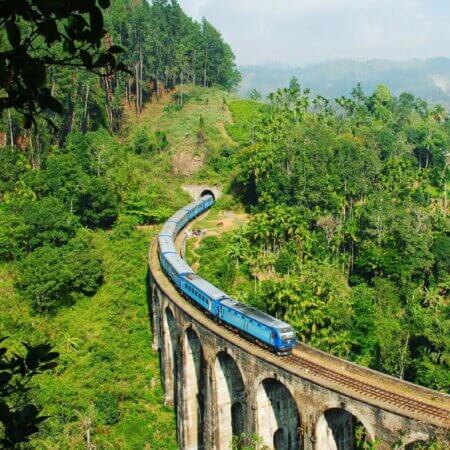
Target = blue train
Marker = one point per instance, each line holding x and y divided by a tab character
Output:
254	324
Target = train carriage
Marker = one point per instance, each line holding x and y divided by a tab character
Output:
202	292
175	267
166	245
169	230
259	326
197	207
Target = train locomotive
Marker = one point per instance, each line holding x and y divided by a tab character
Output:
255	325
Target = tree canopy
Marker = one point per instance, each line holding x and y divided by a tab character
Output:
348	239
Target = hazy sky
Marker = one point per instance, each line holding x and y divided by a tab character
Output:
308	31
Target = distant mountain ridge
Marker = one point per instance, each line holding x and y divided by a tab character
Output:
428	79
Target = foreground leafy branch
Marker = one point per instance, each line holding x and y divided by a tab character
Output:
19	416
36	35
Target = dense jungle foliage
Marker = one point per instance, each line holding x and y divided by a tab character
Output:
349	234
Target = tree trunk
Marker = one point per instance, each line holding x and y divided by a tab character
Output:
193	68
85	119
204	68
72	119
136	78
11	135
141	73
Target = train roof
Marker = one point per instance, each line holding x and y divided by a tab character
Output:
166	244
168	229
179	265
256	314
177	216
192	205
206	287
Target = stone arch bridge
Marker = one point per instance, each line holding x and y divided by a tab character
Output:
222	386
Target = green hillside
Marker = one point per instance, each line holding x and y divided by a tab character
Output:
107	381
334	216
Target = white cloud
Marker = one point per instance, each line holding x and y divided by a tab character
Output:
308	31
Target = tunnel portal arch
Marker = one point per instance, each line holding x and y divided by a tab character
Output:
208	192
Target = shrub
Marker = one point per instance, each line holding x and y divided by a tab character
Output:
98	205
45	280
124	227
84	265
49	222
141	143
13	235
49	275
107	405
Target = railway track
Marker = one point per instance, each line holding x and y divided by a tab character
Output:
383	391
369	390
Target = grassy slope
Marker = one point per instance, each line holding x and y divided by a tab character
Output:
105	341
182	127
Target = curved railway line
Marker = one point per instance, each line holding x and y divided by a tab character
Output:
374	388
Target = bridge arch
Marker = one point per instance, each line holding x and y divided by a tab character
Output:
230	399
415	441
170	363
341	428
193	395
278	418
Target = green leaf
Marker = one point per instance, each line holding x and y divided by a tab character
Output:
86	57
51	103
104	3
96	20
13	32
49	30
115	49
35	74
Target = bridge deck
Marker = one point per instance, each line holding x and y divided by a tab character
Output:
374	388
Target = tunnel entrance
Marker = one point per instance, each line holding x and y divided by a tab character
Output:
278	419
338	429
230	393
193	392
208	192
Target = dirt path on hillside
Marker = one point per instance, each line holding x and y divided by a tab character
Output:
212	225
223	222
